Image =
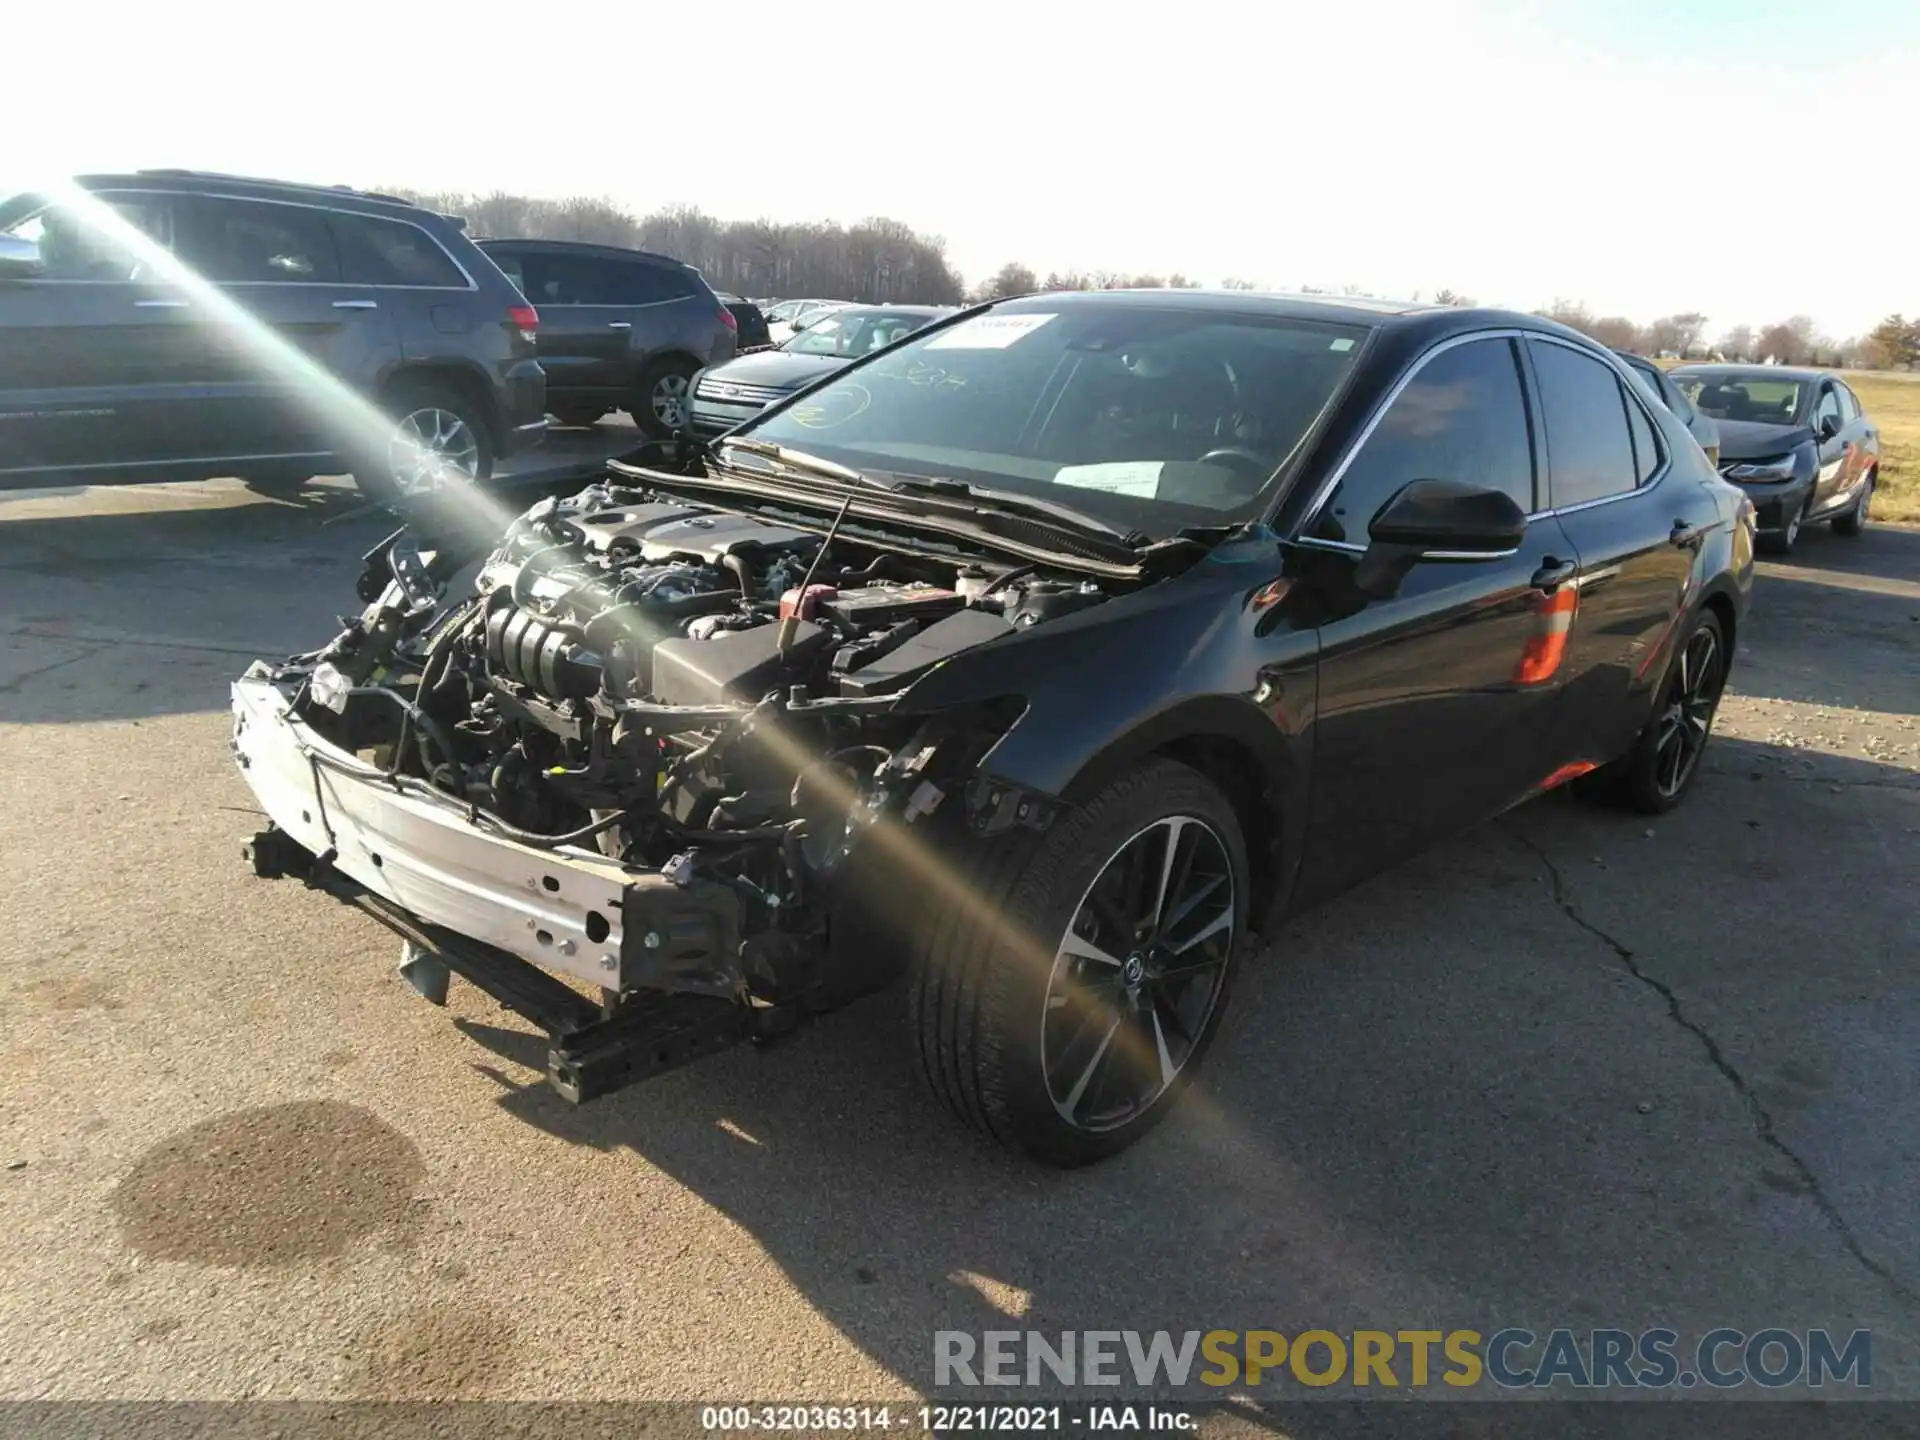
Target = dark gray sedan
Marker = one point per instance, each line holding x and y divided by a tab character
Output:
740	389
1797	441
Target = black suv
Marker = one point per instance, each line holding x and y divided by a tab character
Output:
172	324
621	329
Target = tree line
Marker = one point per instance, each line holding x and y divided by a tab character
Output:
879	259
874	260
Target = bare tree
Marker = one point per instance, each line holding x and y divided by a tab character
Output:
1234	282
1012	278
1452	297
1616	332
1688	326
1570	313
1737	343
1790	342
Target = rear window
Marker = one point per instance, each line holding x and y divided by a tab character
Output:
391	252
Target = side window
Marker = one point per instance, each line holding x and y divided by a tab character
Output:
1462	417
1828	408
637	283
1646	446
390	252
78	243
1850	408
567	280
1590	449
241	241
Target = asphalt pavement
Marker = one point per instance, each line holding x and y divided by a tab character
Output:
1573	1069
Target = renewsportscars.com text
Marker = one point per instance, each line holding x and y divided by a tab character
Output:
1410	1359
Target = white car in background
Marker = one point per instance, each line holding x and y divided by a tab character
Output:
793	315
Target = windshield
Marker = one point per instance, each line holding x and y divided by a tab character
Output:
1740	395
853	333
1150	417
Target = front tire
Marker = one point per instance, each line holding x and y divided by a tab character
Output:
1782	541
663	398
1854	522
1065	995
1655	774
439	439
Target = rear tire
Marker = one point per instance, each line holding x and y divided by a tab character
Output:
1854	522
439	438
1056	1005
662	397
1651	777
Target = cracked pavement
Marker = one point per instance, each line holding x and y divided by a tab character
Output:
1574	1068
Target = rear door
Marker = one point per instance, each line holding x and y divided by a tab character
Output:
297	342
100	362
1440	705
1635	522
584	328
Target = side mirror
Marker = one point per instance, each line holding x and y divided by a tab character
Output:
1829	426
19	259
1436	520
1439	517
799	323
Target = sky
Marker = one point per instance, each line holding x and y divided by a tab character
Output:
1750	159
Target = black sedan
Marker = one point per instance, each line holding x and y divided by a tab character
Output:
1039	661
741	388
1797	441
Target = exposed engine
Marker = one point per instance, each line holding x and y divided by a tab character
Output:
690	692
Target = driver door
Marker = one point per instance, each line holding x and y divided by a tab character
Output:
1438	705
1828	427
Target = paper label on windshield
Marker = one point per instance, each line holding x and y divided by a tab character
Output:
988	332
1120	477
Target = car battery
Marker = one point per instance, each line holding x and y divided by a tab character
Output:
877	606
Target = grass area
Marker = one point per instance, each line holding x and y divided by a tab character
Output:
1892	399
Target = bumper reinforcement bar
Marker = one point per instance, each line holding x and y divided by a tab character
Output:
590	1052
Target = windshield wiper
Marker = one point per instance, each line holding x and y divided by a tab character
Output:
805	464
952	497
1010	502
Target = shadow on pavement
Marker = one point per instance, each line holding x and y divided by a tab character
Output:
1400	1118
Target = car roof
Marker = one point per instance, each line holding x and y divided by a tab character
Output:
215	182
1758	372
579	247
1415	323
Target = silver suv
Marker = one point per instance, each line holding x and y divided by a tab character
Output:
619	329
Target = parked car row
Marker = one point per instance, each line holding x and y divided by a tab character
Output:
172	323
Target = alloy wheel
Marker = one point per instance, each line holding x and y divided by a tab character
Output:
431	447
669	400
1692	698
1864	504
1793	526
1138	973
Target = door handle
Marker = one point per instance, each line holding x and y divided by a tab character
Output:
619	325
356	304
1686	537
1553	573
159	304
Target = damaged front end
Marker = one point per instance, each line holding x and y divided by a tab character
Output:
657	783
